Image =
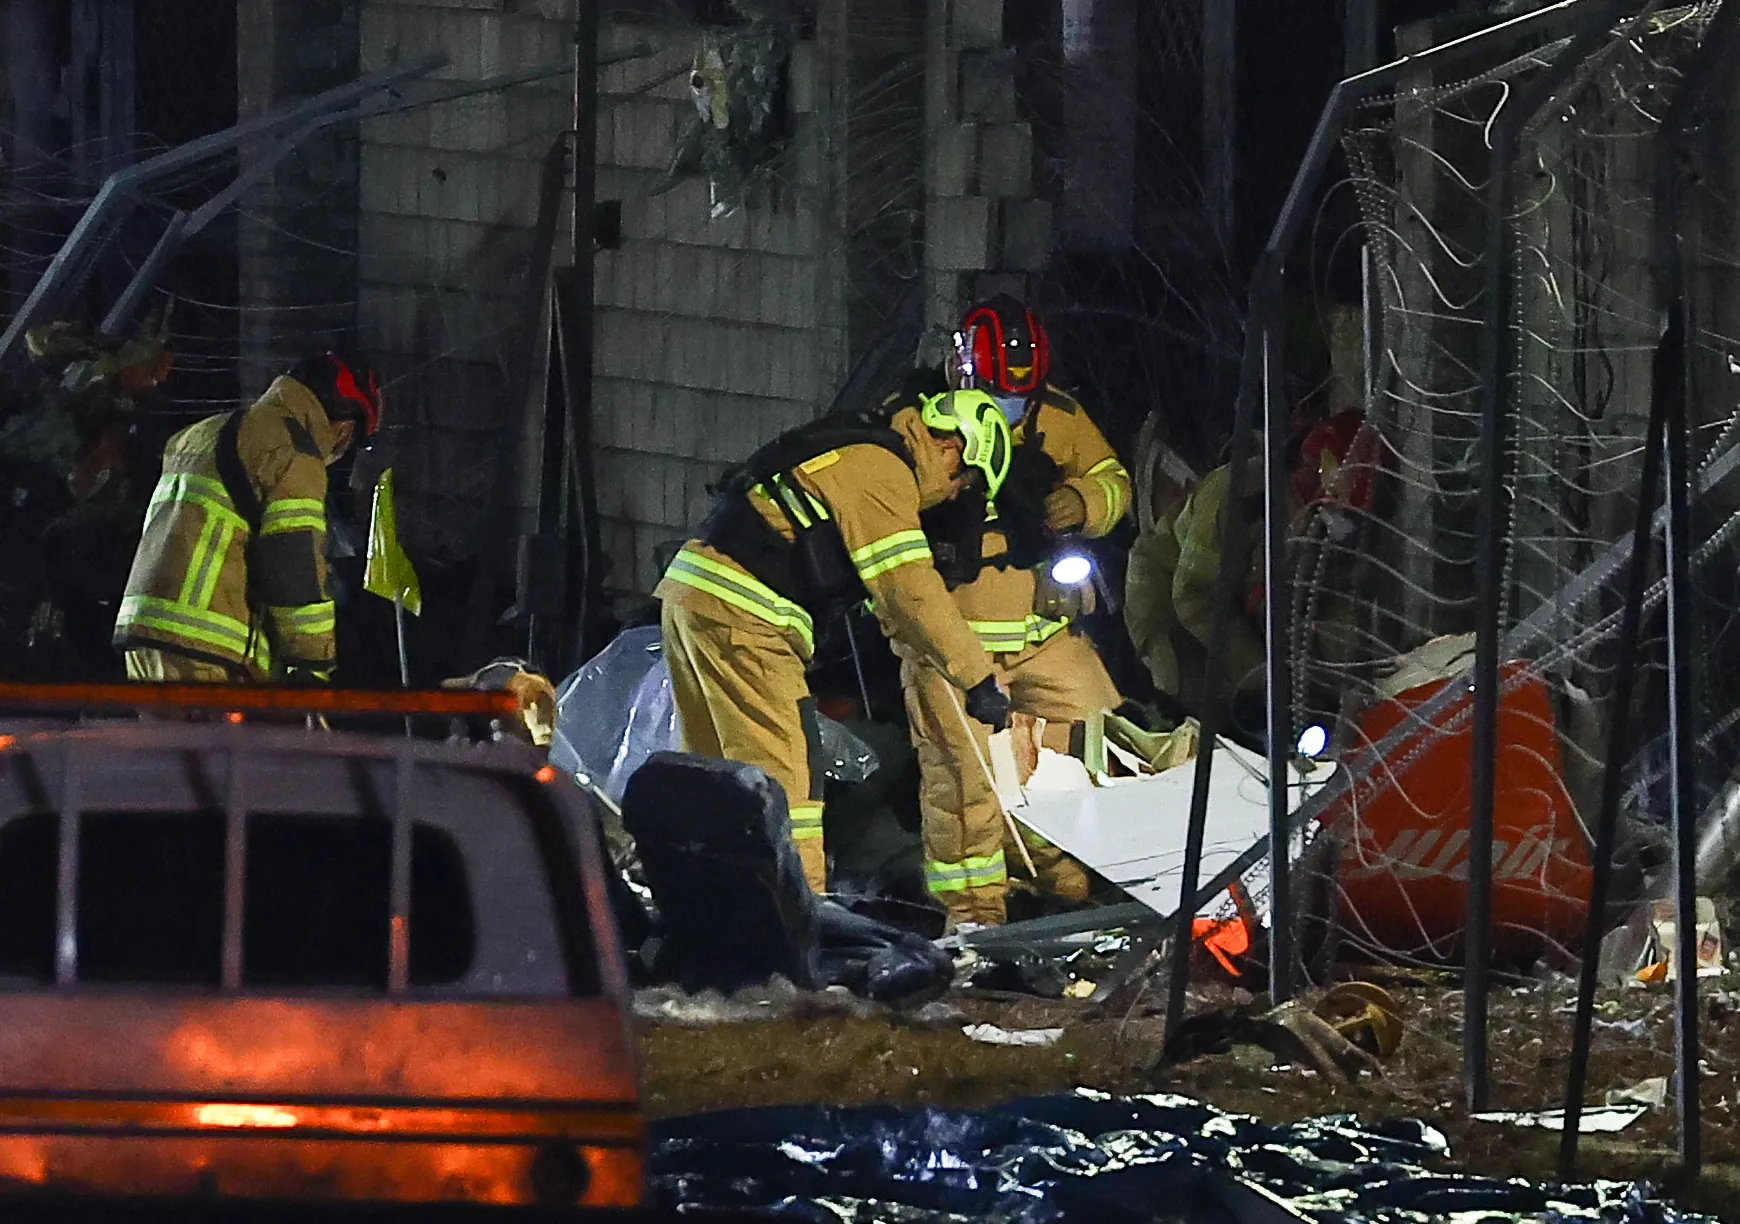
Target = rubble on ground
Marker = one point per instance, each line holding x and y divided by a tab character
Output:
781	1007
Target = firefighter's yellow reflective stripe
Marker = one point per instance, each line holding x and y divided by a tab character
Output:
891	552
293	514
190	624
199	561
1007	637
800	505
213	565
1113	491
806	821
979	872
314	618
775	489
1041	630
741	591
1000	637
201	491
1114	481
817	510
987	870
945	877
805	508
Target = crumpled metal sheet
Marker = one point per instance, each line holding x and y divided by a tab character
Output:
1089	1156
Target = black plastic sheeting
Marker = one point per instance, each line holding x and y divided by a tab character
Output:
880	961
714	840
1091	1157
733	905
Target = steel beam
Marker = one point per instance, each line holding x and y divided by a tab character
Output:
119	191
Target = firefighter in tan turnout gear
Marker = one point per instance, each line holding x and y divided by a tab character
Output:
995	554
812	523
229	582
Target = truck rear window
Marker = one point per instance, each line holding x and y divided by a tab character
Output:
316	904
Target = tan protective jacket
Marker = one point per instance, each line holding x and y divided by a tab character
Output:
191	589
999	603
875	499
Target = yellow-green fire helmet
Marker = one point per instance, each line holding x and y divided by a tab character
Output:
983	429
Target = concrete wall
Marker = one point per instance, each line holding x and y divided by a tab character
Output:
712	336
986	226
296	233
448	198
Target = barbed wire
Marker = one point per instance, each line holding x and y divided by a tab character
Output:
1373	585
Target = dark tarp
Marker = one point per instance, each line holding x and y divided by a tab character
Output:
1087	1156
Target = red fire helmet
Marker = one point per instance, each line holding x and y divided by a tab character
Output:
1340	461
1010	351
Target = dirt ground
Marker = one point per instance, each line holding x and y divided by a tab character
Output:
811	1056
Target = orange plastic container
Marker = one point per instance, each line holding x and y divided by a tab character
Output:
1404	867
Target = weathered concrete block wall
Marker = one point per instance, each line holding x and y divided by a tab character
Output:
449	197
297	232
987	227
712	336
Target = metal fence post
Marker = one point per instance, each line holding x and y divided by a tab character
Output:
1214	700
1668	391
1277	603
1496	344
1682	785
1483	774
1606	829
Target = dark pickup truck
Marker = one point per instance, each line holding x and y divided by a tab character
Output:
245	963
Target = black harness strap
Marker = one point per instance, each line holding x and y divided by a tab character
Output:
228	458
235	477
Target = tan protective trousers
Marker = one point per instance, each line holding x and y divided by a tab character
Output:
155	666
967	844
741	694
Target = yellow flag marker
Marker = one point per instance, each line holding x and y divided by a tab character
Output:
390	573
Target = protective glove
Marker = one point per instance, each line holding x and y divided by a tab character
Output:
302	677
989	704
1055	601
1065	510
